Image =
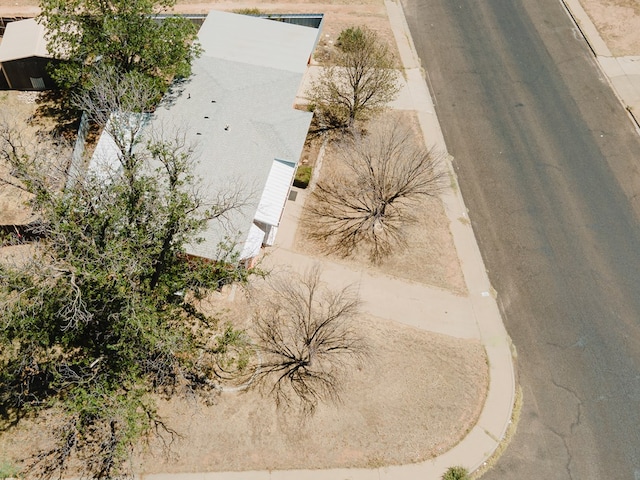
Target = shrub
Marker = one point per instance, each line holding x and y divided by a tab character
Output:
7	469
233	349
303	176
456	473
351	39
248	11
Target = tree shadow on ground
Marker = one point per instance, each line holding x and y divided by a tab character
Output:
56	115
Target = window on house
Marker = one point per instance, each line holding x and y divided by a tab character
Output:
37	83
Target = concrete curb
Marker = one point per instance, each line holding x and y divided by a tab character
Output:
479	311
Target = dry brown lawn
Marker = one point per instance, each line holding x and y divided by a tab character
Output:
26	115
416	397
618	22
428	254
16	108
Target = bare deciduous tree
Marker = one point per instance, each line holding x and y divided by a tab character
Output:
387	173
362	81
306	339
117	102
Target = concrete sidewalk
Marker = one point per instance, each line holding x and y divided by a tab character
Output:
623	73
473	316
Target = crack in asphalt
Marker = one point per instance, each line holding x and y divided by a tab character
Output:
572	427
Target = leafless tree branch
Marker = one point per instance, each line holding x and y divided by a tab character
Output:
368	201
307	339
362	81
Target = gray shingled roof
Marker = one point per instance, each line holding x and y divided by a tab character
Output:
237	107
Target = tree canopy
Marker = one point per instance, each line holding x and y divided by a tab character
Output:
120	33
104	311
362	80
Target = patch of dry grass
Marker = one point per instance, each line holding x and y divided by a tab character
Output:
17	111
22	113
417	397
428	254
618	22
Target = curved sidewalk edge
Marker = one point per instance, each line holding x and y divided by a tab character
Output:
483	439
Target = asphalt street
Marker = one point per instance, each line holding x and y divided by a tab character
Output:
547	163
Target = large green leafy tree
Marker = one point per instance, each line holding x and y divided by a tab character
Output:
119	33
103	313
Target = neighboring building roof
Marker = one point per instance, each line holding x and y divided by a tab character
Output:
23	39
237	107
251	40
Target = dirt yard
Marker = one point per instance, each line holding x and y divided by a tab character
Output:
417	396
420	392
618	22
428	254
26	116
17	108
